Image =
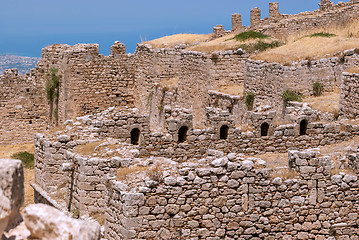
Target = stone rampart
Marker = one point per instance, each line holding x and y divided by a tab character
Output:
23	108
233	199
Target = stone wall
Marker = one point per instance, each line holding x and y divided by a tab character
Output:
349	94
23	109
279	25
233	199
268	80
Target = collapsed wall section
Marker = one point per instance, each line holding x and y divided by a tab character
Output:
232	199
22	107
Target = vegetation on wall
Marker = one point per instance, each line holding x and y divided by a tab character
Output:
289	96
52	93
318	89
249	100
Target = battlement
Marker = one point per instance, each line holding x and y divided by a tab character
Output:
327	15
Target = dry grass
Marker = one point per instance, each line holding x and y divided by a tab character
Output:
99	217
5	152
274	160
299	47
223	43
122	173
246	127
169	84
155	173
88	148
353	70
232	89
177	39
328	102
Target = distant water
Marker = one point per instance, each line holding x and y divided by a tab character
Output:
23	64
31	45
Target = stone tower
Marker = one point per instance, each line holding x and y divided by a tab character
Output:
255	16
325	5
274	10
237	22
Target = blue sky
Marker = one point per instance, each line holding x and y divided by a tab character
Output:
26	26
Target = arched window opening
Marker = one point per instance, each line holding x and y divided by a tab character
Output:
182	134
303	127
264	129
135	136
223	133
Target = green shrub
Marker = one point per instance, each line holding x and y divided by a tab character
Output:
259	46
317	89
52	84
249	35
321	34
76	213
26	158
289	95
249	100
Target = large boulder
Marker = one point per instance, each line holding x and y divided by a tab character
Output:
12	192
48	223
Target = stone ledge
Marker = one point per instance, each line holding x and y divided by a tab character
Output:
47	197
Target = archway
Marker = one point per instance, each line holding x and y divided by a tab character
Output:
135	136
182	134
303	127
264	129
223	132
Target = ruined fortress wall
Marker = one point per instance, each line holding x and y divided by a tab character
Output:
89	82
268	80
22	107
233	199
349	96
280	24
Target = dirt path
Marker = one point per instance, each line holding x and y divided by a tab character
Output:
5	152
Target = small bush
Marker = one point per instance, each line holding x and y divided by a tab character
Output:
249	100
155	174
289	95
259	46
26	158
75	213
249	35
318	89
322	34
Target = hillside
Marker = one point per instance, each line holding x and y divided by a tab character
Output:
23	64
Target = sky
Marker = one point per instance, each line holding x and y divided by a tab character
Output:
26	26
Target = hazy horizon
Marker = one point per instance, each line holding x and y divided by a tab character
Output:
28	26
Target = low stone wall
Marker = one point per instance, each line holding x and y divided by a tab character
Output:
232	199
349	96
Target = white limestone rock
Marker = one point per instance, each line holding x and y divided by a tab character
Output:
48	223
12	185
